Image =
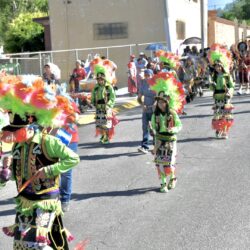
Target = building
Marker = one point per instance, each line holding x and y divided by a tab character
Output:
100	23
225	31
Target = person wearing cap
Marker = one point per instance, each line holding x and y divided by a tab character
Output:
103	98
78	74
132	80
146	97
165	124
223	89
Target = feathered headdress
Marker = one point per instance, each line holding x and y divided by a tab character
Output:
29	95
168	57
172	89
106	67
218	53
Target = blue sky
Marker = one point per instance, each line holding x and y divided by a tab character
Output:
212	4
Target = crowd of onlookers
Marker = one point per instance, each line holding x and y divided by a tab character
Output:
194	70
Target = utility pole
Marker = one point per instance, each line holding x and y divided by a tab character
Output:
166	25
203	9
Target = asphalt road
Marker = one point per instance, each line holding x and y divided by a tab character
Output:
116	203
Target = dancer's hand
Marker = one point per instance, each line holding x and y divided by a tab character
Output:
40	174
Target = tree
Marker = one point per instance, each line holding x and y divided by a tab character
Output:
239	9
24	35
10	9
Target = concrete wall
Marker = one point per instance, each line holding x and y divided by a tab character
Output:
224	31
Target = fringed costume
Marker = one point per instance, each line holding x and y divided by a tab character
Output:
166	124
37	161
223	88
103	98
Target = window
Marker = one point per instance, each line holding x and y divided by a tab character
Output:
103	31
180	30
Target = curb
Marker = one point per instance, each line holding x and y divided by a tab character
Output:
90	118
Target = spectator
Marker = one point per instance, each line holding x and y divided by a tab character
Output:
78	74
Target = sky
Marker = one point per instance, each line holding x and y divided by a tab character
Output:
215	4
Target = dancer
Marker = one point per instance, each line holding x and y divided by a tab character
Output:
37	161
223	88
166	124
103	98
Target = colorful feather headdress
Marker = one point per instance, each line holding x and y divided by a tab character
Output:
168	57
106	67
218	53
29	95
171	87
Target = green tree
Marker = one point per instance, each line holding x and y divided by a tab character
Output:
239	9
24	35
10	9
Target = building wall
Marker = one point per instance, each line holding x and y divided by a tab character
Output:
71	23
224	31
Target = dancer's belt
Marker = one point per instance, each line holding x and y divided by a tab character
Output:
219	91
34	197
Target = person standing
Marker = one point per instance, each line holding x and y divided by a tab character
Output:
166	124
132	79
244	72
103	98
223	88
78	74
146	97
66	177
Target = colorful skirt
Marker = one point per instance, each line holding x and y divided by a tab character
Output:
165	153
36	228
223	117
105	122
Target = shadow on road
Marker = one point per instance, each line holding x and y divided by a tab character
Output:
241	112
7	212
194	116
197	139
131	192
7	202
111	145
130	119
102	157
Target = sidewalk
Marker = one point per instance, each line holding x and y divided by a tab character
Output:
123	102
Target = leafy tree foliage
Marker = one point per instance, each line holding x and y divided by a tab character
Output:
24	35
11	14
239	9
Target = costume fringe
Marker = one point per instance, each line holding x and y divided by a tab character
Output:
9	231
222	124
69	236
42	235
26	207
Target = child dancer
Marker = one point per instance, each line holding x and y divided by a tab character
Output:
223	88
166	124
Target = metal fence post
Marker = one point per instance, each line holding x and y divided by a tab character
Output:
40	63
107	53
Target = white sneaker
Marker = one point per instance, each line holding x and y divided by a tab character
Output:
239	92
247	91
143	150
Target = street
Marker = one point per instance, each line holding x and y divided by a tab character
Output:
116	203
